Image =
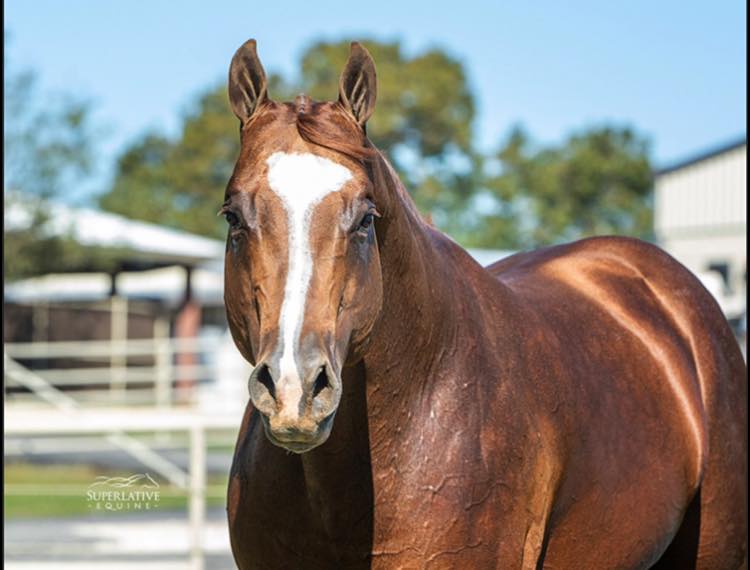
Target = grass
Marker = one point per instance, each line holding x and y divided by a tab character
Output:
60	490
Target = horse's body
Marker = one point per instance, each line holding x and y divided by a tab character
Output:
581	406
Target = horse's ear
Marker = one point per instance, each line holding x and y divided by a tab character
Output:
247	81
358	87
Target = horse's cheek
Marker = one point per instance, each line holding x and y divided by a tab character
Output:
239	316
370	292
364	292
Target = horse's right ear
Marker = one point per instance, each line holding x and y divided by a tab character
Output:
247	82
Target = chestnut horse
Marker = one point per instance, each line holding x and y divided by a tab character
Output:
580	406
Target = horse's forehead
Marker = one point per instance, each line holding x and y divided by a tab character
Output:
302	179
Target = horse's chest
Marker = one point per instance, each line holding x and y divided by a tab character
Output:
422	514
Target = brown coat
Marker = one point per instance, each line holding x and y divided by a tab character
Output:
579	406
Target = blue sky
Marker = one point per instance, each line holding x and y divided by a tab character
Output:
674	70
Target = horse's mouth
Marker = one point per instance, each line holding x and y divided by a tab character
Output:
302	445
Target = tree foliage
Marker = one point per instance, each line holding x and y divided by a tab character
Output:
48	139
596	182
49	146
179	182
424	102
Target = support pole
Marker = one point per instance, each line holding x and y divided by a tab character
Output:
197	506
187	326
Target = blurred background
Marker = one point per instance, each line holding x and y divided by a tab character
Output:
513	125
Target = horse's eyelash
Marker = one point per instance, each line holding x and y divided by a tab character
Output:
225	209
221	211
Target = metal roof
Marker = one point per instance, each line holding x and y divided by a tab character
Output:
705	155
146	242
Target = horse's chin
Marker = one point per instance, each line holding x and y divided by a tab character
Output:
300	446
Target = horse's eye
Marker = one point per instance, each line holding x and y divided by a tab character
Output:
364	225
232	219
366	222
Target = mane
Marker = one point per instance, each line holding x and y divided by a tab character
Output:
327	125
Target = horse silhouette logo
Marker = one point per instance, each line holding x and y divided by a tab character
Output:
142	480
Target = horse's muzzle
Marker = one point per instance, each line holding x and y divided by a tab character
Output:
297	411
298	441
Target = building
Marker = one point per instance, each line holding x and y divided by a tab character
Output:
166	284
162	273
700	219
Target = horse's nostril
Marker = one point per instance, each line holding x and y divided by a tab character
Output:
264	377
321	382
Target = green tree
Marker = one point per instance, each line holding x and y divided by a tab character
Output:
180	182
49	146
424	119
596	182
48	140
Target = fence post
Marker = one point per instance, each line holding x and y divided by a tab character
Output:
197	505
118	339
163	363
40	327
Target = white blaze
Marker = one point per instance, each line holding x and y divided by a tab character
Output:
301	181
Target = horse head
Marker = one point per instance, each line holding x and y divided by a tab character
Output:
303	284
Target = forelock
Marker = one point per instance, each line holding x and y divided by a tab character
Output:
327	124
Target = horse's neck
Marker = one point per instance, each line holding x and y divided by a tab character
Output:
338	475
426	301
427	292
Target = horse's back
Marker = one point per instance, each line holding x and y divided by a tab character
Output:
630	278
616	290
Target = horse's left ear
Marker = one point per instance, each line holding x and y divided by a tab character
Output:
358	86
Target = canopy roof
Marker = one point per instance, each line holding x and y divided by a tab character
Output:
144	243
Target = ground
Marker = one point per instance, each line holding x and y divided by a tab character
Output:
142	541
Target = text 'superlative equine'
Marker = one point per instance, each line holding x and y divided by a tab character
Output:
580	406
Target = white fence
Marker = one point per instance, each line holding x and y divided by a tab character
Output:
109	397
103	375
19	422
